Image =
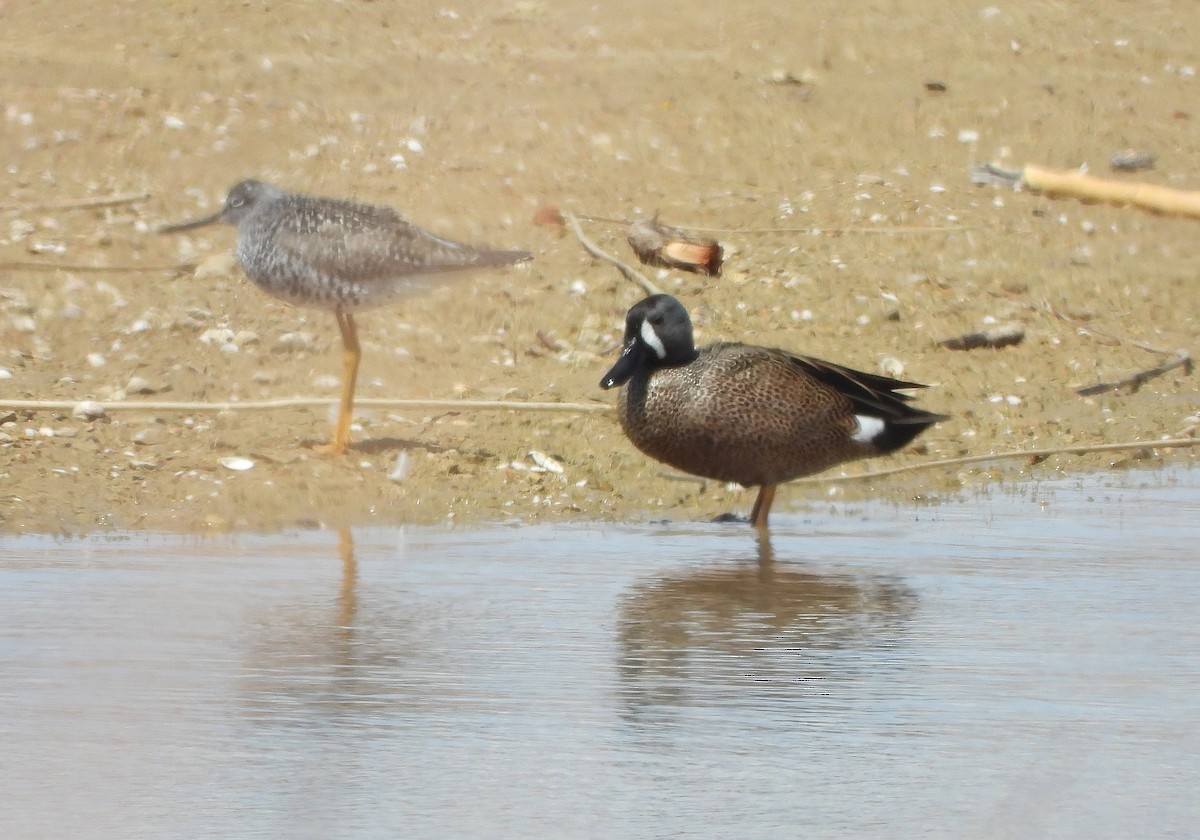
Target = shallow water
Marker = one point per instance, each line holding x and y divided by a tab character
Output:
1022	664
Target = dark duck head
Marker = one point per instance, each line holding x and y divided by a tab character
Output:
658	333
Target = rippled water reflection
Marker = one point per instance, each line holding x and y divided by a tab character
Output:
1021	664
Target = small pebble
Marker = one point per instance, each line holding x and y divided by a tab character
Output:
149	437
139	385
219	335
292	342
1132	160
218	265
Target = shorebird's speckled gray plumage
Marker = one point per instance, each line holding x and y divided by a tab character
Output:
342	256
754	415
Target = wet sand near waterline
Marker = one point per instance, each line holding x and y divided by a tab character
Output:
467	120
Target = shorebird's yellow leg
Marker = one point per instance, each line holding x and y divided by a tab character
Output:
351	353
762	506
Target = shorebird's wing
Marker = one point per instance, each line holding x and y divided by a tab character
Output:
364	243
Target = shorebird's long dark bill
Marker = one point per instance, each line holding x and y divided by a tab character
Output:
207	220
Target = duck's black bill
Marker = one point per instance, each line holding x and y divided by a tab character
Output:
207	220
631	359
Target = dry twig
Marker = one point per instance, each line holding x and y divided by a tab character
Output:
20	265
305	402
79	203
592	248
1179	358
1134	381
1031	454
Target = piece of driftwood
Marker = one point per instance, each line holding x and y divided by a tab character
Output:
661	245
1004	335
1089	188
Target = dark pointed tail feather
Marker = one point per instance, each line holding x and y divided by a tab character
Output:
899	431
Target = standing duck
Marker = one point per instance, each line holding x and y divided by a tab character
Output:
754	415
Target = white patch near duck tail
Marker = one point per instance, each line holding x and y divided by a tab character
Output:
868	429
651	338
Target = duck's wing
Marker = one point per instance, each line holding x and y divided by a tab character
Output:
869	392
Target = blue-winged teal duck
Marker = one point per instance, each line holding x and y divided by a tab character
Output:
342	256
754	415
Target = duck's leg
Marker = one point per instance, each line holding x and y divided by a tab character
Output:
762	506
351	354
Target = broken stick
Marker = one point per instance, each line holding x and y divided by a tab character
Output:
1088	188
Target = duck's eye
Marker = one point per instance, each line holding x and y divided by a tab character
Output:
656	319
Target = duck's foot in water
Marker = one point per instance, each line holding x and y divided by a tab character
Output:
734	518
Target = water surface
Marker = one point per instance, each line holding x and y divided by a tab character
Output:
1021	664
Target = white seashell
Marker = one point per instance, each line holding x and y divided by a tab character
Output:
88	410
891	366
237	463
401	469
545	461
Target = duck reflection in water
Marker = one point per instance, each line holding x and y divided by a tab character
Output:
755	630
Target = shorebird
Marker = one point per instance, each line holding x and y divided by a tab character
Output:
342	256
753	415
